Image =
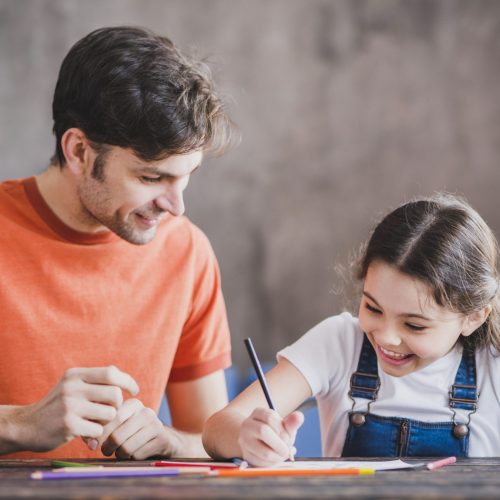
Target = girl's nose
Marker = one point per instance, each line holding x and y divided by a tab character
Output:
387	336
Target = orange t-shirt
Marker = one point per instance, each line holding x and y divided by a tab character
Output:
72	299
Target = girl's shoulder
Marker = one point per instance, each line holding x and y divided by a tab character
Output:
341	331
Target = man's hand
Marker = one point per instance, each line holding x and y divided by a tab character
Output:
136	432
83	401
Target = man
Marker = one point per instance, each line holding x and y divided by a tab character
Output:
107	293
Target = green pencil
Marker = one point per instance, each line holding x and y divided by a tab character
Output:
62	463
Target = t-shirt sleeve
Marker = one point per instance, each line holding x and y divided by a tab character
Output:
326	353
204	345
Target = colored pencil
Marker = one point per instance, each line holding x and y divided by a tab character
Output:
212	465
64	463
259	372
292	472
441	463
180	469
109	472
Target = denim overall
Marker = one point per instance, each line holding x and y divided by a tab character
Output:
371	435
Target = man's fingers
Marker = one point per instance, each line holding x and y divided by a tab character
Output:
92	443
106	394
107	375
147	450
120	435
130	446
97	412
88	429
125	425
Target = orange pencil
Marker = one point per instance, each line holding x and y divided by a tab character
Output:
292	472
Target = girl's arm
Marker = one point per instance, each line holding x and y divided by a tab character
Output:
247	428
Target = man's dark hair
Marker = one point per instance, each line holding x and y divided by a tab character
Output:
128	87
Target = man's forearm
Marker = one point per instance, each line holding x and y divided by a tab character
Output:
12	435
187	444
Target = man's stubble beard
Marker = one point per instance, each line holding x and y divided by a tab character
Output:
95	203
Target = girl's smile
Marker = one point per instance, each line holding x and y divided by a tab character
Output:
393	357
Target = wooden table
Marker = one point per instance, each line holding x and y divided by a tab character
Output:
468	478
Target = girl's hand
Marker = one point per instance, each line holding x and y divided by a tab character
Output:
266	439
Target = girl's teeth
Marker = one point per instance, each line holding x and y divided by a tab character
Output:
392	354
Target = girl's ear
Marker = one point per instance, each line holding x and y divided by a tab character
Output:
474	320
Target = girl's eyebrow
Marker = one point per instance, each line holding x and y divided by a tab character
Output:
406	315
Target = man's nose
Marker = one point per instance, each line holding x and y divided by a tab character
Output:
171	200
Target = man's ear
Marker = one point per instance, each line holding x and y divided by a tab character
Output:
77	150
474	320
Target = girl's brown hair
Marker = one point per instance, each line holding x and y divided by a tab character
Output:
446	244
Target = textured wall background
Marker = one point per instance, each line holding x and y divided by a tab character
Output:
347	108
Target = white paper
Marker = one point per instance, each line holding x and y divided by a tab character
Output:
338	464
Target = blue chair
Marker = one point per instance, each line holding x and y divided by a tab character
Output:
233	388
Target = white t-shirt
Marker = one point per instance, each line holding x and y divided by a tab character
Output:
328	354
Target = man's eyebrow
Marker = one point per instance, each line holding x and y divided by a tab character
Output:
148	169
406	315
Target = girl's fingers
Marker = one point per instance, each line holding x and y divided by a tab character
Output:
262	458
268	417
292	424
261	439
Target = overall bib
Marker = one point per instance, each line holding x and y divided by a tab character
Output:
371	435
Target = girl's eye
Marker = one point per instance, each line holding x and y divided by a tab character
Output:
416	328
373	309
150	180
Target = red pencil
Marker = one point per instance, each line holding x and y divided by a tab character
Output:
212	465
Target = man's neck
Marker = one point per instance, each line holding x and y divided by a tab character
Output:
59	190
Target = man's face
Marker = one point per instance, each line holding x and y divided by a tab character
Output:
131	196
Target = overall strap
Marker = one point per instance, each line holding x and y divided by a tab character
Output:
365	382
463	392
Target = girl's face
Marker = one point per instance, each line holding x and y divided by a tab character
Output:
406	327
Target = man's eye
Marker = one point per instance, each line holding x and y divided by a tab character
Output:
150	180
373	309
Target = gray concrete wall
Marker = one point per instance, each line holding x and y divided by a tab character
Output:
347	108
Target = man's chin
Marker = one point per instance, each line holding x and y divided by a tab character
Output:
137	237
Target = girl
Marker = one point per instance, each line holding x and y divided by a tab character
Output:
416	374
